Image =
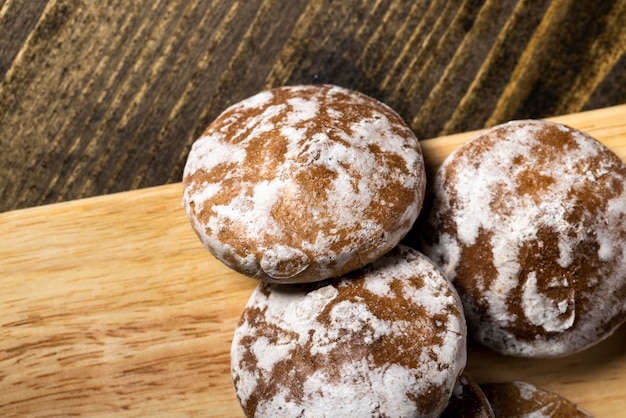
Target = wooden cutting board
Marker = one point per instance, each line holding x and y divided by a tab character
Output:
111	306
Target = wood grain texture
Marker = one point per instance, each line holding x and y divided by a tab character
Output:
111	307
102	97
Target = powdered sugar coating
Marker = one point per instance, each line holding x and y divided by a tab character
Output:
529	222
338	348
303	183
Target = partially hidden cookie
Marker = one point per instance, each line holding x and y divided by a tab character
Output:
467	400
524	400
303	183
388	340
529	223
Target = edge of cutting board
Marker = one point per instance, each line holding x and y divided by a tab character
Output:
111	306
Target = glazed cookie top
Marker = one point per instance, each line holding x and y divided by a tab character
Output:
302	183
529	222
387	340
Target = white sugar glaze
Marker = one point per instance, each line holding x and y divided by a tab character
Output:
509	187
324	170
342	316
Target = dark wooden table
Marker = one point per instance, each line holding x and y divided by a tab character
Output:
99	97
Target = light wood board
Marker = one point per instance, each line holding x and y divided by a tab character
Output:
111	306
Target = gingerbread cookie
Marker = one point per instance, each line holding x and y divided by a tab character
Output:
303	183
467	400
529	222
523	400
388	340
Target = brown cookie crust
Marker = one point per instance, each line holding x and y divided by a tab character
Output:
467	400
523	400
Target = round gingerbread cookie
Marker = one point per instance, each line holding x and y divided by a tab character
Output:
529	223
303	183
388	340
523	400
467	400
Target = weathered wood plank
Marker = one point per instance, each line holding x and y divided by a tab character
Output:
104	97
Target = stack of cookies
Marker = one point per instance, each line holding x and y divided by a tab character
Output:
312	190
